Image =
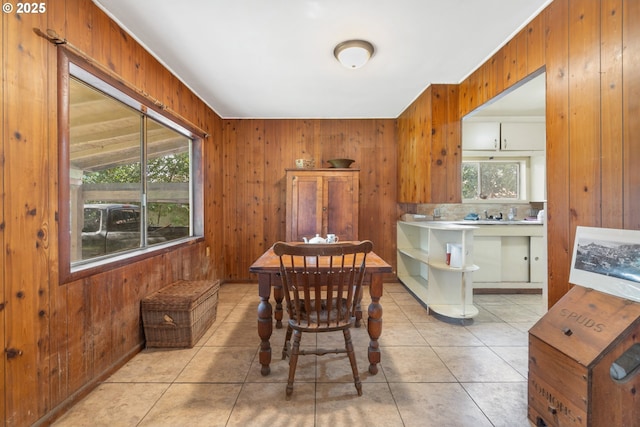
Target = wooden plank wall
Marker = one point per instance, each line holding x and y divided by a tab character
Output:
429	148
256	154
60	339
591	54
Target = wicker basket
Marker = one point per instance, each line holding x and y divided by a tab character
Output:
179	314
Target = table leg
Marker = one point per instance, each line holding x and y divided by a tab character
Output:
278	295
374	325
265	322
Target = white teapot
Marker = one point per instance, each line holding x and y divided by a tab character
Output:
316	239
331	238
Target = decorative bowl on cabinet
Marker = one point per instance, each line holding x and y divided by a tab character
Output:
340	163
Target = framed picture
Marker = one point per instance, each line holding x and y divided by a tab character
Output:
607	260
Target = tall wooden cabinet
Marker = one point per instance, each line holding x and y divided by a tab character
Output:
322	201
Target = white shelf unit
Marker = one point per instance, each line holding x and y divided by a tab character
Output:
422	267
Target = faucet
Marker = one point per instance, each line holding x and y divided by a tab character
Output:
486	214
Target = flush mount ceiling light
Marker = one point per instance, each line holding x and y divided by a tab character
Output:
353	53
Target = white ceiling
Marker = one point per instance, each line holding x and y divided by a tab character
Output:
274	59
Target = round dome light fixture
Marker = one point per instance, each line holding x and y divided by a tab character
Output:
353	53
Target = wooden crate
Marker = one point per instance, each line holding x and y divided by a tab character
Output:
180	313
571	350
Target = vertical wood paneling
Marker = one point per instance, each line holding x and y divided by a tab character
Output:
230	240
254	212
557	112
428	141
522	54
535	44
438	148
26	207
584	112
78	339
453	146
611	119
3	258
509	63
414	139
631	112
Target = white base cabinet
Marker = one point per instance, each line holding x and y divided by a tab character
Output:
510	257
422	266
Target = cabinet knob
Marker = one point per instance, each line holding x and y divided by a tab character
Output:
536	258
568	332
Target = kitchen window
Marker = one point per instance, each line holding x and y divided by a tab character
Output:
494	180
127	173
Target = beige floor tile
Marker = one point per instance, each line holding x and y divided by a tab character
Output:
266	405
418	314
339	405
485	316
499	334
437	405
514	313
305	369
490	299
446	335
504	403
477	364
413	364
400	334
219	364
517	357
337	368
234	334
155	365
114	405
193	405
391	312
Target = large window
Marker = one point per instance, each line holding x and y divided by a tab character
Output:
496	180
129	170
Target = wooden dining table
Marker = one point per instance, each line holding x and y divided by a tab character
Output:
268	269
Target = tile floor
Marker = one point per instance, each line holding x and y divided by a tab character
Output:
433	373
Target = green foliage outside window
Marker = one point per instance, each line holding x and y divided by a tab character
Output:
482	180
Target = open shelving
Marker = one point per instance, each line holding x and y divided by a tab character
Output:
422	266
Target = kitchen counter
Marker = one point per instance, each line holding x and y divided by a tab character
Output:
497	222
495	227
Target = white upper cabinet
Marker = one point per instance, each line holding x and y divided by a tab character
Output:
516	136
505	136
480	135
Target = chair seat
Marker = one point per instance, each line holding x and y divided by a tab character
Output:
323	316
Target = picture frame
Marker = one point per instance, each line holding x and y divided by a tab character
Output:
607	260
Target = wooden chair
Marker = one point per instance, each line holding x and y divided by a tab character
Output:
321	284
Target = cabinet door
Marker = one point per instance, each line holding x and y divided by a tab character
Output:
480	135
522	136
538	260
487	256
340	206
304	210
515	259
